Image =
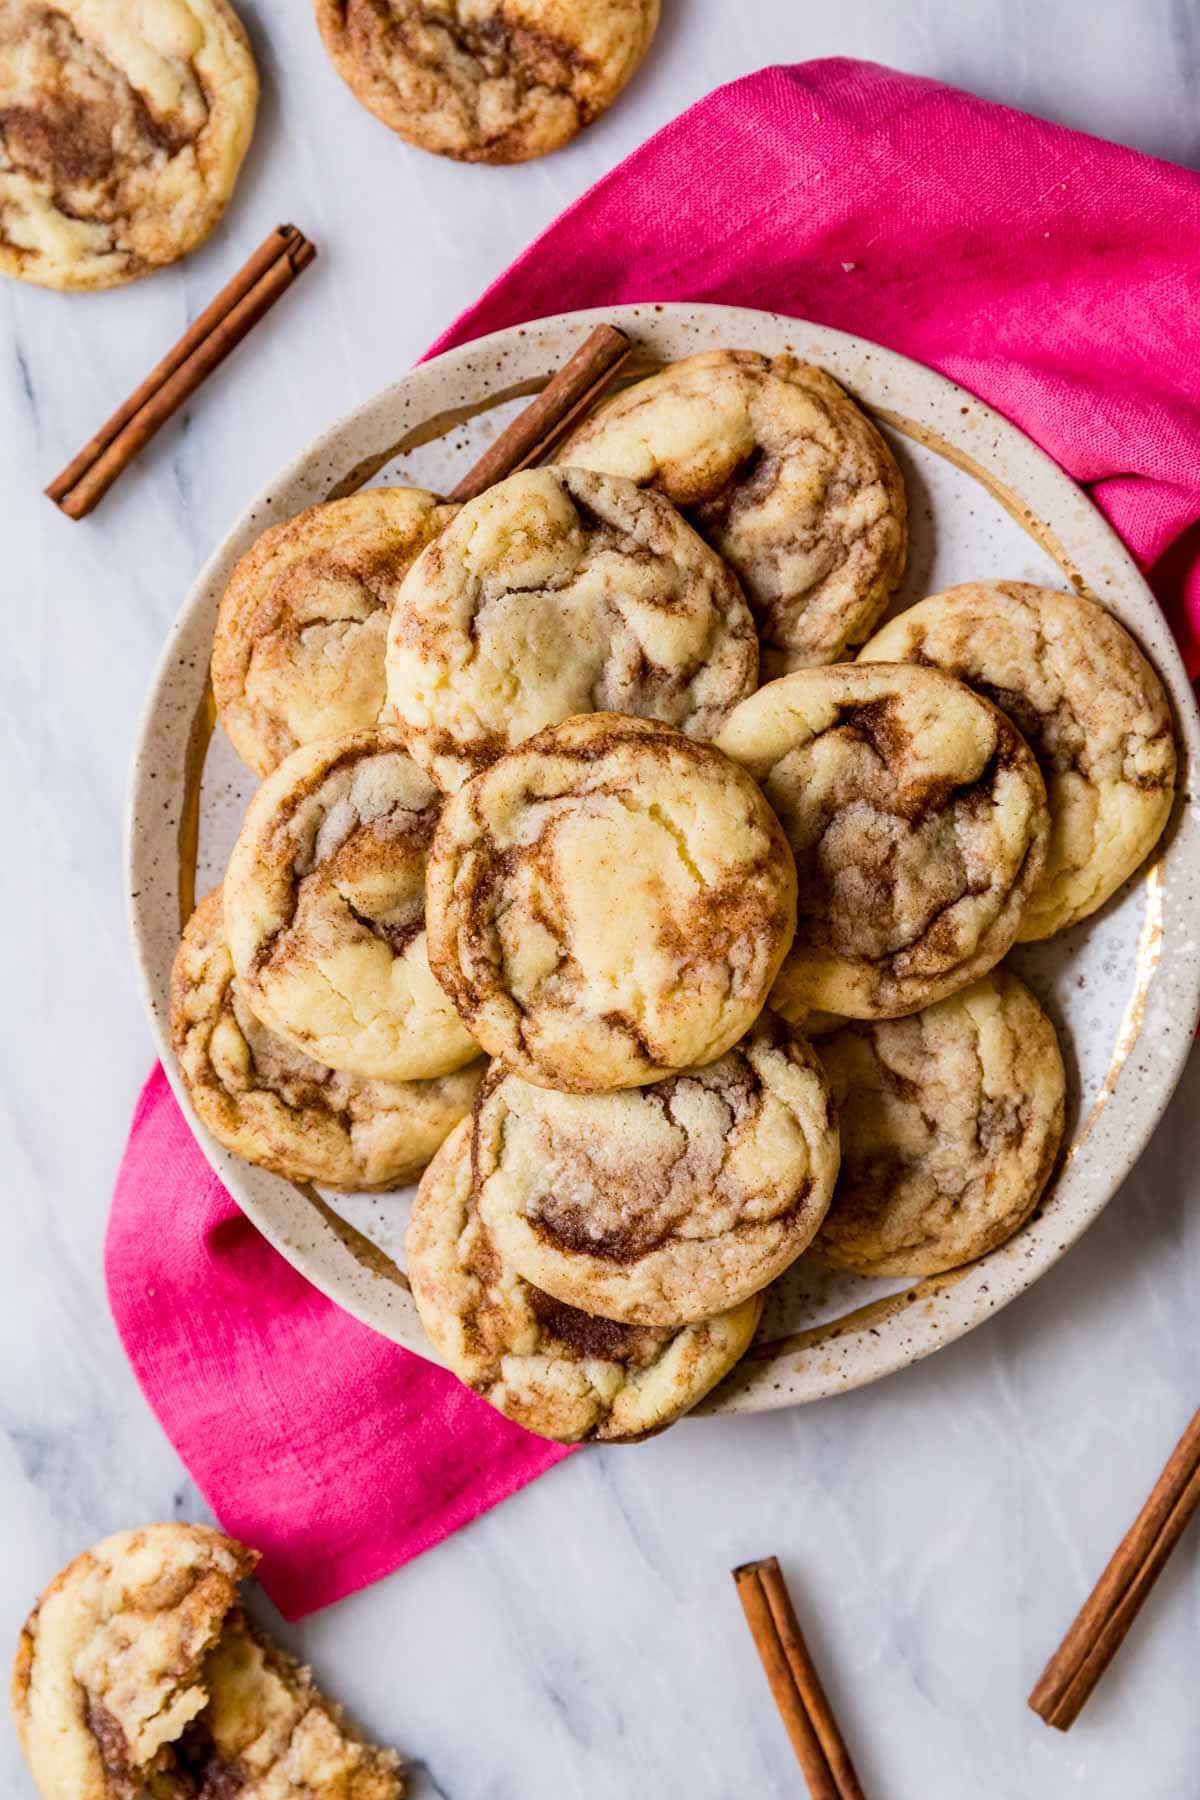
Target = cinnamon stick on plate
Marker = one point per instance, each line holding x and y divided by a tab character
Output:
219	329
1139	1559
547	419
794	1682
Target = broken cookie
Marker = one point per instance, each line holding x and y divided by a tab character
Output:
138	1677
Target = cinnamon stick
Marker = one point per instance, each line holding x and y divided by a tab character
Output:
219	329
795	1684
551	414
1104	1619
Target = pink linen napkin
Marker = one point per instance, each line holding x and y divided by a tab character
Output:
316	1440
1056	276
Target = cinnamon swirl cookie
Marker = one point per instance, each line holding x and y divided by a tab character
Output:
665	1204
555	593
122	129
608	903
491	81
299	648
951	1122
137	1674
555	1370
109	1668
268	1732
1091	708
269	1102
918	820
325	912
779	470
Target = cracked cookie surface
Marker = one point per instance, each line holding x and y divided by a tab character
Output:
918	820
1091	708
555	593
951	1122
609	902
325	912
270	1103
267	1733
781	473
666	1204
553	1369
122	129
138	1675
299	648
492	81
109	1667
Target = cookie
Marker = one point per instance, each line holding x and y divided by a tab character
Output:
1089	705
137	1673
302	629
268	1733
122	129
555	593
553	1369
491	81
109	1667
951	1123
608	903
667	1204
782	474
918	820
325	912
268	1102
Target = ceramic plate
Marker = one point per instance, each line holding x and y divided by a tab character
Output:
1123	988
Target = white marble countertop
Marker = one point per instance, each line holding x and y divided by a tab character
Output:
584	1639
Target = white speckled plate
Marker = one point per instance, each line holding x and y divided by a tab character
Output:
1124	988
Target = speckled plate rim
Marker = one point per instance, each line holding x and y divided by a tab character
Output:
885	1335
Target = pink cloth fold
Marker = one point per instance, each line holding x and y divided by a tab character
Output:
332	1451
1056	276
336	1454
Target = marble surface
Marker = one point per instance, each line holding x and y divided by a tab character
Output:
583	1640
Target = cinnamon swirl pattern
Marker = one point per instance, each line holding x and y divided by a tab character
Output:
1089	705
557	1371
122	130
608	903
325	912
269	1102
919	824
138	1673
555	593
298	653
951	1122
665	1204
782	474
489	81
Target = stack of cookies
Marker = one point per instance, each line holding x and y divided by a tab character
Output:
525	797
